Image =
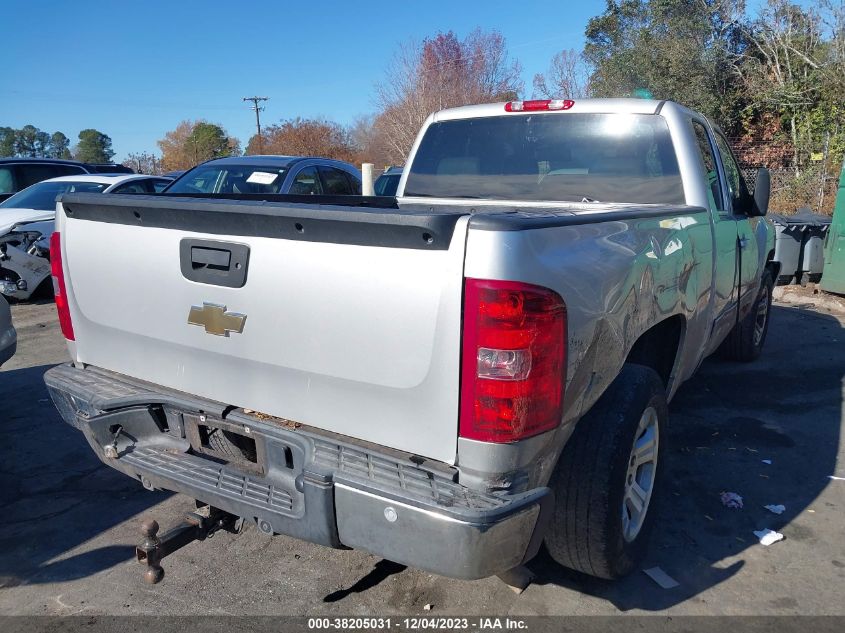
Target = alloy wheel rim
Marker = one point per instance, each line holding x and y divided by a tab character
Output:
761	317
640	475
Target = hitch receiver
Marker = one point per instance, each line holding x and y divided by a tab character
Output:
196	526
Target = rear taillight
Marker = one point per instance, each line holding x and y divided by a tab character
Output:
538	105
59	289
513	368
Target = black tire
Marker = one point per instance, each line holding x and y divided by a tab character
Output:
586	532
743	343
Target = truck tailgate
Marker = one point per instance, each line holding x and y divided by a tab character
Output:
352	317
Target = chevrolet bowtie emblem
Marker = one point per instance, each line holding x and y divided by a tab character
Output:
216	320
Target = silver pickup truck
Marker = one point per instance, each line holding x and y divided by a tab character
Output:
446	379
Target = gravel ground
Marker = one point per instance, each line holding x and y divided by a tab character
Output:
810	296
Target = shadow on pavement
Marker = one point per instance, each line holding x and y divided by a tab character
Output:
785	407
54	493
383	569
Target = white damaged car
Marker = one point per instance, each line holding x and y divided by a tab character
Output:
26	224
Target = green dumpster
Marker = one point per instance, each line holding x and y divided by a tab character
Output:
833	279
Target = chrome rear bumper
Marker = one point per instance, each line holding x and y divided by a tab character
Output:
322	488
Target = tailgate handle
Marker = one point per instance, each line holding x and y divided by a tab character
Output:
215	263
213	257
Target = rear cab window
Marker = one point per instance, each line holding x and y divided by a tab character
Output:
572	157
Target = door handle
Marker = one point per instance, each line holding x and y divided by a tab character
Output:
743	242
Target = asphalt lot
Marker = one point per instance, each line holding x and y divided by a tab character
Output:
70	524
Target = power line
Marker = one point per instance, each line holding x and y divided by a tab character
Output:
257	108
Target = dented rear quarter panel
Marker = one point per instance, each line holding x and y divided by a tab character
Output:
618	279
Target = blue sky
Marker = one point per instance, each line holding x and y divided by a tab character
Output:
134	70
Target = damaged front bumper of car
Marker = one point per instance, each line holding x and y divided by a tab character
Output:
24	263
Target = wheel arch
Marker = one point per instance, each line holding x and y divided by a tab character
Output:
773	265
659	347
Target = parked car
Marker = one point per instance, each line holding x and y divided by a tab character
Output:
38	202
19	173
26	223
448	381
8	336
296	175
388	182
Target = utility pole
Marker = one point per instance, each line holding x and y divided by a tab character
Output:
257	109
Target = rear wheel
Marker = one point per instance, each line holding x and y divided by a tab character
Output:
745	342
607	478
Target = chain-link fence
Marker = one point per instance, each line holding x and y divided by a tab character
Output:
813	187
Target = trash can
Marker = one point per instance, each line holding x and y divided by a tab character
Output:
815	228
788	241
799	245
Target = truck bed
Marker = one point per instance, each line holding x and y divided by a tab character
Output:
321	343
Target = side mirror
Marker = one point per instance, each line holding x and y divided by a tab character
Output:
762	191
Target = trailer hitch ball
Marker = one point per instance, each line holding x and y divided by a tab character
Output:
148	552
149	529
195	526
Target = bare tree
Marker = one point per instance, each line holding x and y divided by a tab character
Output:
780	68
144	163
370	141
832	16
441	72
403	97
491	73
567	77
